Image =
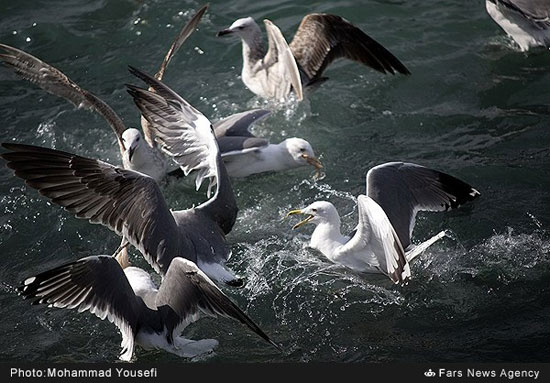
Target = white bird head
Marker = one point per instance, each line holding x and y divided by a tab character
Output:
318	212
132	140
244	28
301	152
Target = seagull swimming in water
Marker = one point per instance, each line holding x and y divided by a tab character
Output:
245	154
381	242
527	22
320	39
150	316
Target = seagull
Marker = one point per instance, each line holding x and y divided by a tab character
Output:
131	203
381	242
137	150
245	154
527	22
150	316
320	39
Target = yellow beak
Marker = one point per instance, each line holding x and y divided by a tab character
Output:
301	223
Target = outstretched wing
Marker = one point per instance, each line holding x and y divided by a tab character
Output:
402	189
322	38
187	30
188	292
186	135
233	134
96	284
375	237
279	51
238	124
55	82
127	202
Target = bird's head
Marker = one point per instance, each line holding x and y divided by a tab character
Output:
242	27
302	153
132	140
318	212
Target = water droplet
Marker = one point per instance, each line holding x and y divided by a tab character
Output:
28	39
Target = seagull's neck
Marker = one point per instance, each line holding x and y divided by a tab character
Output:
277	157
253	48
327	238
146	160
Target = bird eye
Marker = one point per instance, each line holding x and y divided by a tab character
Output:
314	210
241	27
137	139
302	150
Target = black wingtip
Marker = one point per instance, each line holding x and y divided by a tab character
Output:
462	191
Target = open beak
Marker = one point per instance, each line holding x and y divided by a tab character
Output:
301	223
131	153
224	32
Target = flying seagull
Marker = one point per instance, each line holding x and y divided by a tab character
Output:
146	315
131	203
381	243
527	22
137	153
320	39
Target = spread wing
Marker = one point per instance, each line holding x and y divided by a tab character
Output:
55	82
188	292
186	135
402	189
127	202
238	124
96	284
279	51
376	237
322	38
186	31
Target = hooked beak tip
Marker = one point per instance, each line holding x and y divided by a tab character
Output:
224	32
131	151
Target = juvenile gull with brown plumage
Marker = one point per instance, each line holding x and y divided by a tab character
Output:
320	39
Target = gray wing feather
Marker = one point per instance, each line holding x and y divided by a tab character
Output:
402	189
188	291
184	34
129	203
186	135
238	124
536	10
322	38
96	284
55	82
234	145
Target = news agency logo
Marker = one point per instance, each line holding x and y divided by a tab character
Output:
429	373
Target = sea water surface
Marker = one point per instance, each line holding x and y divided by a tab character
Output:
475	107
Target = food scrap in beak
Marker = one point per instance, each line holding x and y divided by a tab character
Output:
313	161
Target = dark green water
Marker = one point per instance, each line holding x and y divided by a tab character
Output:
474	107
